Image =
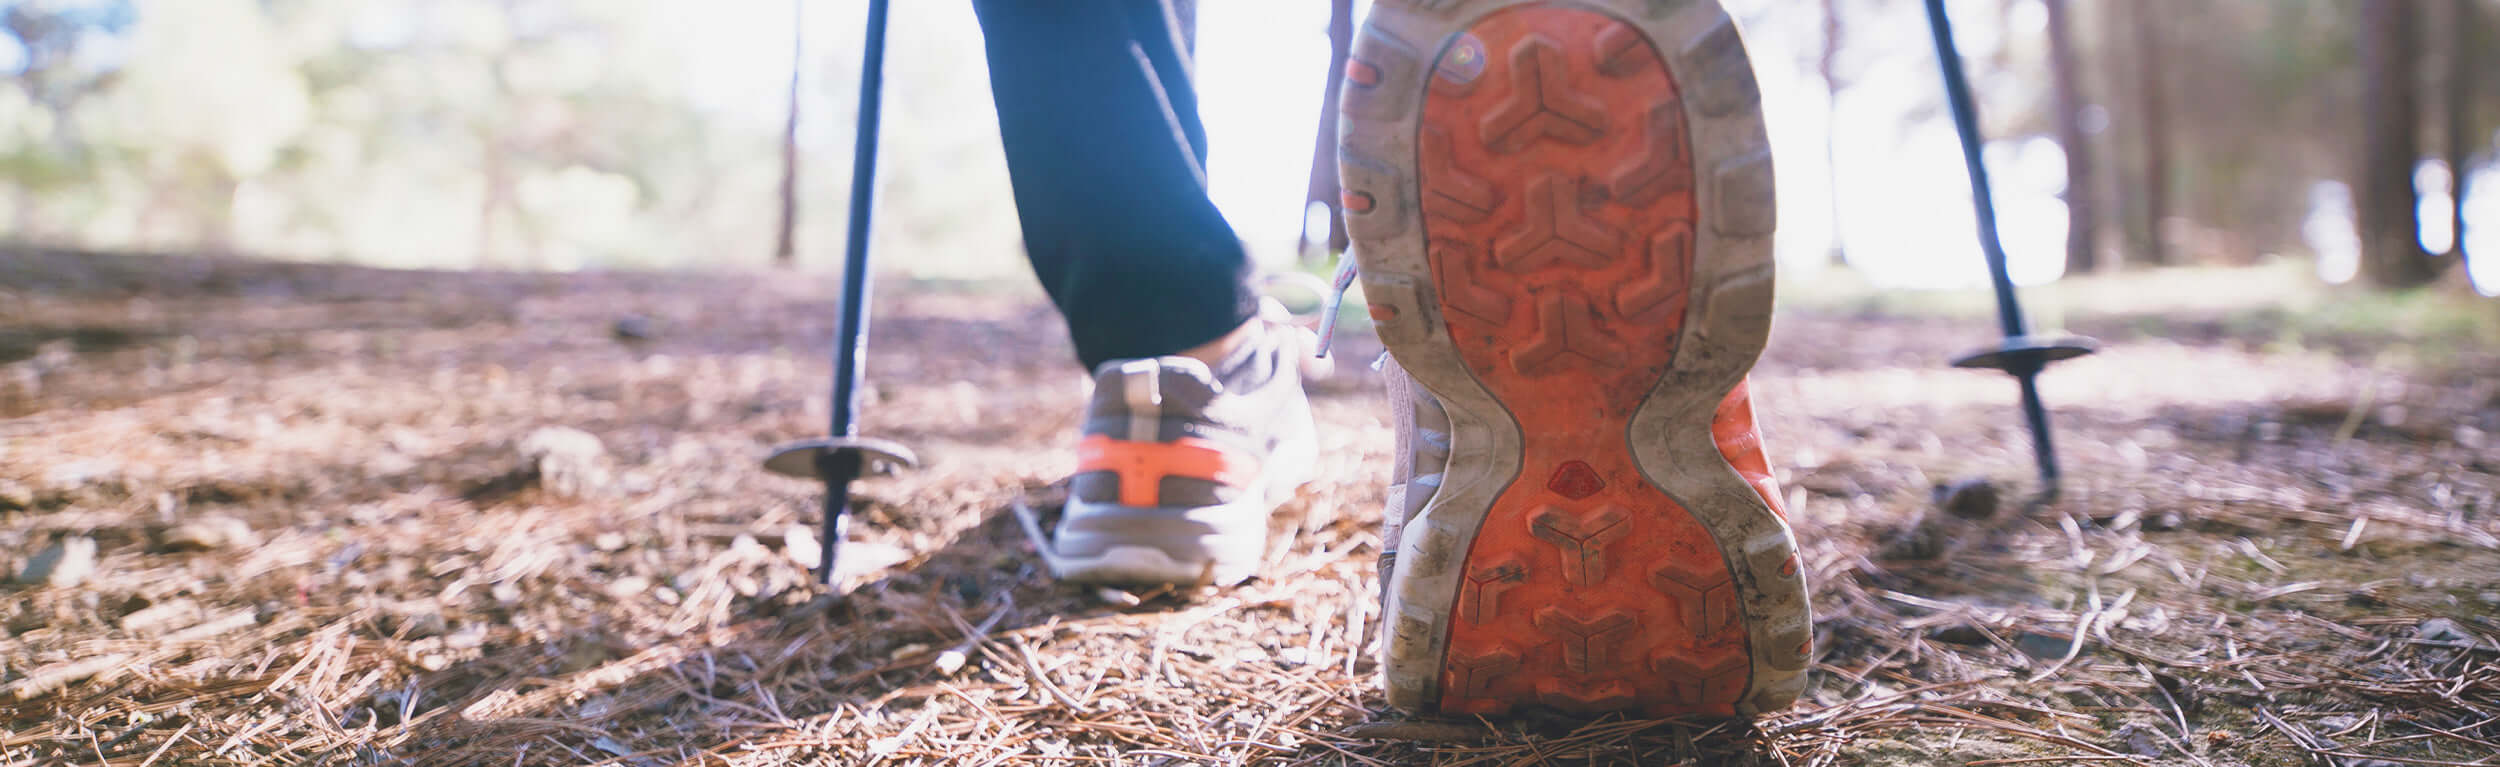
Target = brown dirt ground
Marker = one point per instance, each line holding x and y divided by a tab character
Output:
2269	554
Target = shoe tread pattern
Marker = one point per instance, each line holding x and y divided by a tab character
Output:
1559	206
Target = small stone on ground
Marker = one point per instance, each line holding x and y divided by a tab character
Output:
64	564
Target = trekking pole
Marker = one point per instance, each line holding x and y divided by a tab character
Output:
2022	355
844	455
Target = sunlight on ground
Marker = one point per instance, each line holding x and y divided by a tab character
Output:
317	515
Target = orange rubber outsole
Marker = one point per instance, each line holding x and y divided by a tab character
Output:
1563	232
1569	313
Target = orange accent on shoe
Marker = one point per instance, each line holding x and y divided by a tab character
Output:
1356	202
1362	73
1142	466
1384	312
1740	441
1560	213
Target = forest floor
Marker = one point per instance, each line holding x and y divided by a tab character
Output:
351	516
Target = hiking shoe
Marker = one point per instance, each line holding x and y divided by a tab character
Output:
1563	213
1182	465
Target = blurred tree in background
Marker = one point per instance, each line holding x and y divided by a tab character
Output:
44	152
2337	91
2465	107
569	133
2083	240
2391	56
448	133
2217	132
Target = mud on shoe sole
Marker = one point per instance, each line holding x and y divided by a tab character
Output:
1563	213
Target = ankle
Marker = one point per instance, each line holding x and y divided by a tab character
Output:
1215	352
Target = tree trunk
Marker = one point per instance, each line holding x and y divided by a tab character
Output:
2390	229
216	235
2082	223
785	246
22	216
1323	188
2111	24
2461	48
1829	68
2155	109
496	165
498	194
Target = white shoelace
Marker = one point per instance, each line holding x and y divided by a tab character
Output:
1335	301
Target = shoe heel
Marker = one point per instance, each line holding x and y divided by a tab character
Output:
1564	217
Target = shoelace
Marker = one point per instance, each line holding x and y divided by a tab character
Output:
1331	295
1334	302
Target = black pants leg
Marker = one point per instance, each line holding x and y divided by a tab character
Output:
1108	160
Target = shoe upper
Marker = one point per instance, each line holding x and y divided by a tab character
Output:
1173	432
1740	442
1422	432
1182	464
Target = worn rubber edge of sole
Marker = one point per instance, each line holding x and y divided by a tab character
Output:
1727	321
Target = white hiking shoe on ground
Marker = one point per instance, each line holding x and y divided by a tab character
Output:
1182	464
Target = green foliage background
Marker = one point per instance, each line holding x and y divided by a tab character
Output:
542	134
560	134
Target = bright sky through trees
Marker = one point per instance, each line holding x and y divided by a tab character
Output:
1905	201
646	133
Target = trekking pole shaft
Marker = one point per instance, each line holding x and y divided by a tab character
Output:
837	505
2037	417
853	335
1966	123
2026	367
839	468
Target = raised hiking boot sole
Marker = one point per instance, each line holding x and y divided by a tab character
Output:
1563	213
